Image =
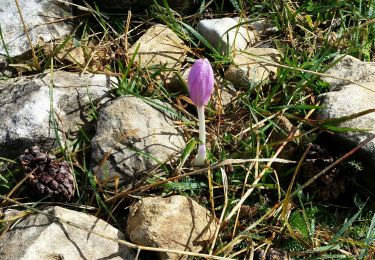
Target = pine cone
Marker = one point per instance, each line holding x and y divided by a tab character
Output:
49	177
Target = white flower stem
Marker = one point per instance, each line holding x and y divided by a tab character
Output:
202	125
201	156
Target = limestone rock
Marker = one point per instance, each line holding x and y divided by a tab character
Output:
41	237
348	100
249	68
223	95
25	108
43	18
4	68
66	52
136	136
282	130
75	55
178	80
3	64
159	46
350	68
9	215
175	222
225	34
259	27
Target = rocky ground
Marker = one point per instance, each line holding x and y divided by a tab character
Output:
97	132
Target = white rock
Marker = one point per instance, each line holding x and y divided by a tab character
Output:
259	27
44	20
223	95
25	105
351	68
178	80
67	52
159	46
41	237
225	34
9	215
249	67
175	222
346	101
136	137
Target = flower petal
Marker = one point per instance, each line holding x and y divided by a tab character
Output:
201	82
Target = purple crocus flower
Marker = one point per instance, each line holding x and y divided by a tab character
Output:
201	85
201	82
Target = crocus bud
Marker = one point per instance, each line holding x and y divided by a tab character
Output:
201	82
201	85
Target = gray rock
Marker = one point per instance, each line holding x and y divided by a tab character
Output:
260	27
249	69
348	67
3	64
345	101
178	80
10	215
136	137
175	222
225	34
160	47
43	18
66	52
263	27
25	108
42	237
223	95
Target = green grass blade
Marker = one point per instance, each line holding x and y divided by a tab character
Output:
190	146
347	225
369	237
201	39
344	129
